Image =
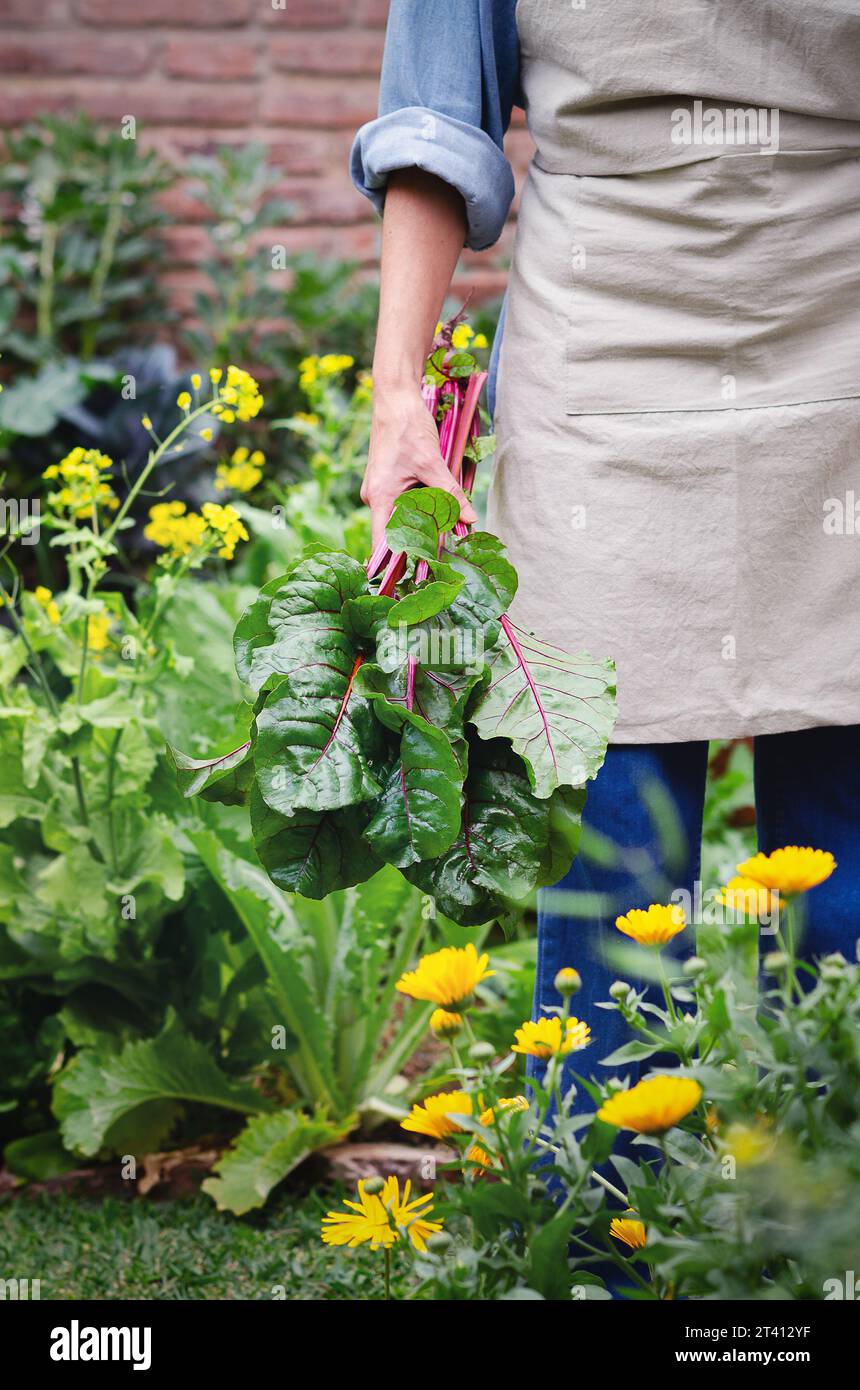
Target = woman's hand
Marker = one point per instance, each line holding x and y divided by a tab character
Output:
404	451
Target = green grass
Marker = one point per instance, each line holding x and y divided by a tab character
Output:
182	1249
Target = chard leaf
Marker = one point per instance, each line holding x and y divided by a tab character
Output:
557	711
490	580
427	599
440	696
269	1147
565	830
313	852
313	749
296	627
420	516
364	616
225	778
497	855
417	815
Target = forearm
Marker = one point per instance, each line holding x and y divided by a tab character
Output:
423	231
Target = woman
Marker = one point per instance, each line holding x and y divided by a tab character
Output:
678	390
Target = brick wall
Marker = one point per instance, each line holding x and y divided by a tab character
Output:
197	73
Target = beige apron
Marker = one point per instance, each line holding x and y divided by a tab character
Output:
678	471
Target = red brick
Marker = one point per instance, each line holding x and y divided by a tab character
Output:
211	58
372	12
31	15
326	102
106	101
309	14
66	54
332	201
347	51
140	14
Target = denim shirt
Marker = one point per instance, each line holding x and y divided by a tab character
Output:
450	77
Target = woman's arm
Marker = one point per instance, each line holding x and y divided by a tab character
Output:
422	235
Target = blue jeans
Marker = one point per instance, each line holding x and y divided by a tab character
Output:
807	788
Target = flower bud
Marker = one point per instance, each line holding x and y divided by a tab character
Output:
832	967
439	1243
775	961
444	1024
482	1052
568	981
373	1186
619	990
694	966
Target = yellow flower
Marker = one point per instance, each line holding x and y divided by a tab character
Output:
462	335
98	626
242	394
445	1025
630	1231
227	524
206	434
306	417
333	362
146	422
447	977
432	1118
653	927
791	870
544	1037
215	375
308	372
480	341
175	528
488	1117
242	473
84	473
749	1145
183	400
480	1156
652	1106
195	380
45	599
745	895
380	1219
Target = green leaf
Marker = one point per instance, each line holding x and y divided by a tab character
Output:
38	1156
269	1147
420	516
295	627
426	600
565	831
557	711
631	1052
440	694
229	775
417	815
312	852
129	1099
33	406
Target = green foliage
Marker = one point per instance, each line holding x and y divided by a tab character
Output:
269	1147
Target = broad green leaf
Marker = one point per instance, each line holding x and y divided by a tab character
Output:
130	1098
426	600
312	852
269	1147
565	831
295	627
38	1157
363	617
420	516
417	815
557	711
440	695
226	778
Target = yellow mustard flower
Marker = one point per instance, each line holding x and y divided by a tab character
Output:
480	341
652	1106
462	335
629	1230
308	371
206	433
195	380
743	894
654	926
380	1219
791	870
448	977
98	626
83	474
444	1024
333	362
174	528
239	398
183	400
544	1037
227	524
45	599
215	375
146	422
307	417
433	1116
242	473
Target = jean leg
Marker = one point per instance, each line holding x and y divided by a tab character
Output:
808	793
648	868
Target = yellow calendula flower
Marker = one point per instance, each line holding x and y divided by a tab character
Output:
544	1037
655	926
242	473
379	1219
488	1116
447	977
791	870
183	400
45	599
746	896
174	528
629	1230
228	525
749	1145
480	1156
433	1117
652	1106
98	627
444	1024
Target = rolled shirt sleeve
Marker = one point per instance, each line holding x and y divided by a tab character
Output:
450	77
